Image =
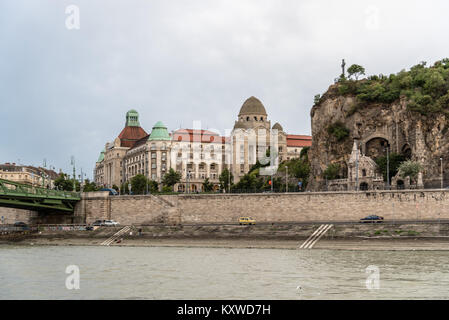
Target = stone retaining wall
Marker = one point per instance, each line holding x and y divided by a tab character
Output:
326	206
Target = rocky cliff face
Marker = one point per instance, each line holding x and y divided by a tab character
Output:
417	137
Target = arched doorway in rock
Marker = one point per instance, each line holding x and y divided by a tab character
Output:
406	151
376	147
400	184
363	186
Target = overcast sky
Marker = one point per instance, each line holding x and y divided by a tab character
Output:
65	91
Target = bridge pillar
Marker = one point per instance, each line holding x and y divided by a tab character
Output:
93	206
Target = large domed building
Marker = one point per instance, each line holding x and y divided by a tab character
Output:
195	154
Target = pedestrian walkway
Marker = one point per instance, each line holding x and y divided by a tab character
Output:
316	236
116	235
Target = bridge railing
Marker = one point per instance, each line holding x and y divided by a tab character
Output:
11	187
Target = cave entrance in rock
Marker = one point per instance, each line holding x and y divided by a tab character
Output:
376	147
406	152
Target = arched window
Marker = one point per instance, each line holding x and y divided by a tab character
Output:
363	173
247	118
261	118
255	118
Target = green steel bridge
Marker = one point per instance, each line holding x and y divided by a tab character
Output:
23	196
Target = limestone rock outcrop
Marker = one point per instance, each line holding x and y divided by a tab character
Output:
417	137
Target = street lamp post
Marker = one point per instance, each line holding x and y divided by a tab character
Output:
286	178
188	181
441	161
357	171
74	174
229	179
388	166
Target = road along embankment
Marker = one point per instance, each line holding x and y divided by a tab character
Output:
341	236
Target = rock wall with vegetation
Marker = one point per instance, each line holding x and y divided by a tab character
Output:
408	111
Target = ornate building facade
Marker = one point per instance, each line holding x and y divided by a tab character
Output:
195	153
35	176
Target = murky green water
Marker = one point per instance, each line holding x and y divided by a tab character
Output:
215	273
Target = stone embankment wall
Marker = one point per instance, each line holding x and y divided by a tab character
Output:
126	209
11	215
300	207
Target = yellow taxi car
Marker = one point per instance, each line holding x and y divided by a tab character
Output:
246	220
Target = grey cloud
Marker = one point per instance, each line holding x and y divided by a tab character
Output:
66	92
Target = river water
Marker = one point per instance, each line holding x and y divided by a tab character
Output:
219	273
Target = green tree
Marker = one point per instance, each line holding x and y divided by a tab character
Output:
90	186
63	182
410	169
304	152
171	178
394	161
332	171
167	189
207	185
248	183
124	189
139	184
224	179
356	71
153	186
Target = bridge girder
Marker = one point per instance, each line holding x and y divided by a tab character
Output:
21	196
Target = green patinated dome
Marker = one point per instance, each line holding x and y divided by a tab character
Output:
159	132
101	157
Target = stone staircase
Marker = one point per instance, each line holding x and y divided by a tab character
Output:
316	236
116	235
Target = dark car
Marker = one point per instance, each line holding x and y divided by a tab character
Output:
372	219
21	224
112	192
98	223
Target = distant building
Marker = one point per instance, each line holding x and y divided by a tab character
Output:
35	176
295	144
196	154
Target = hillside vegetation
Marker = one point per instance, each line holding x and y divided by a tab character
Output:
425	88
